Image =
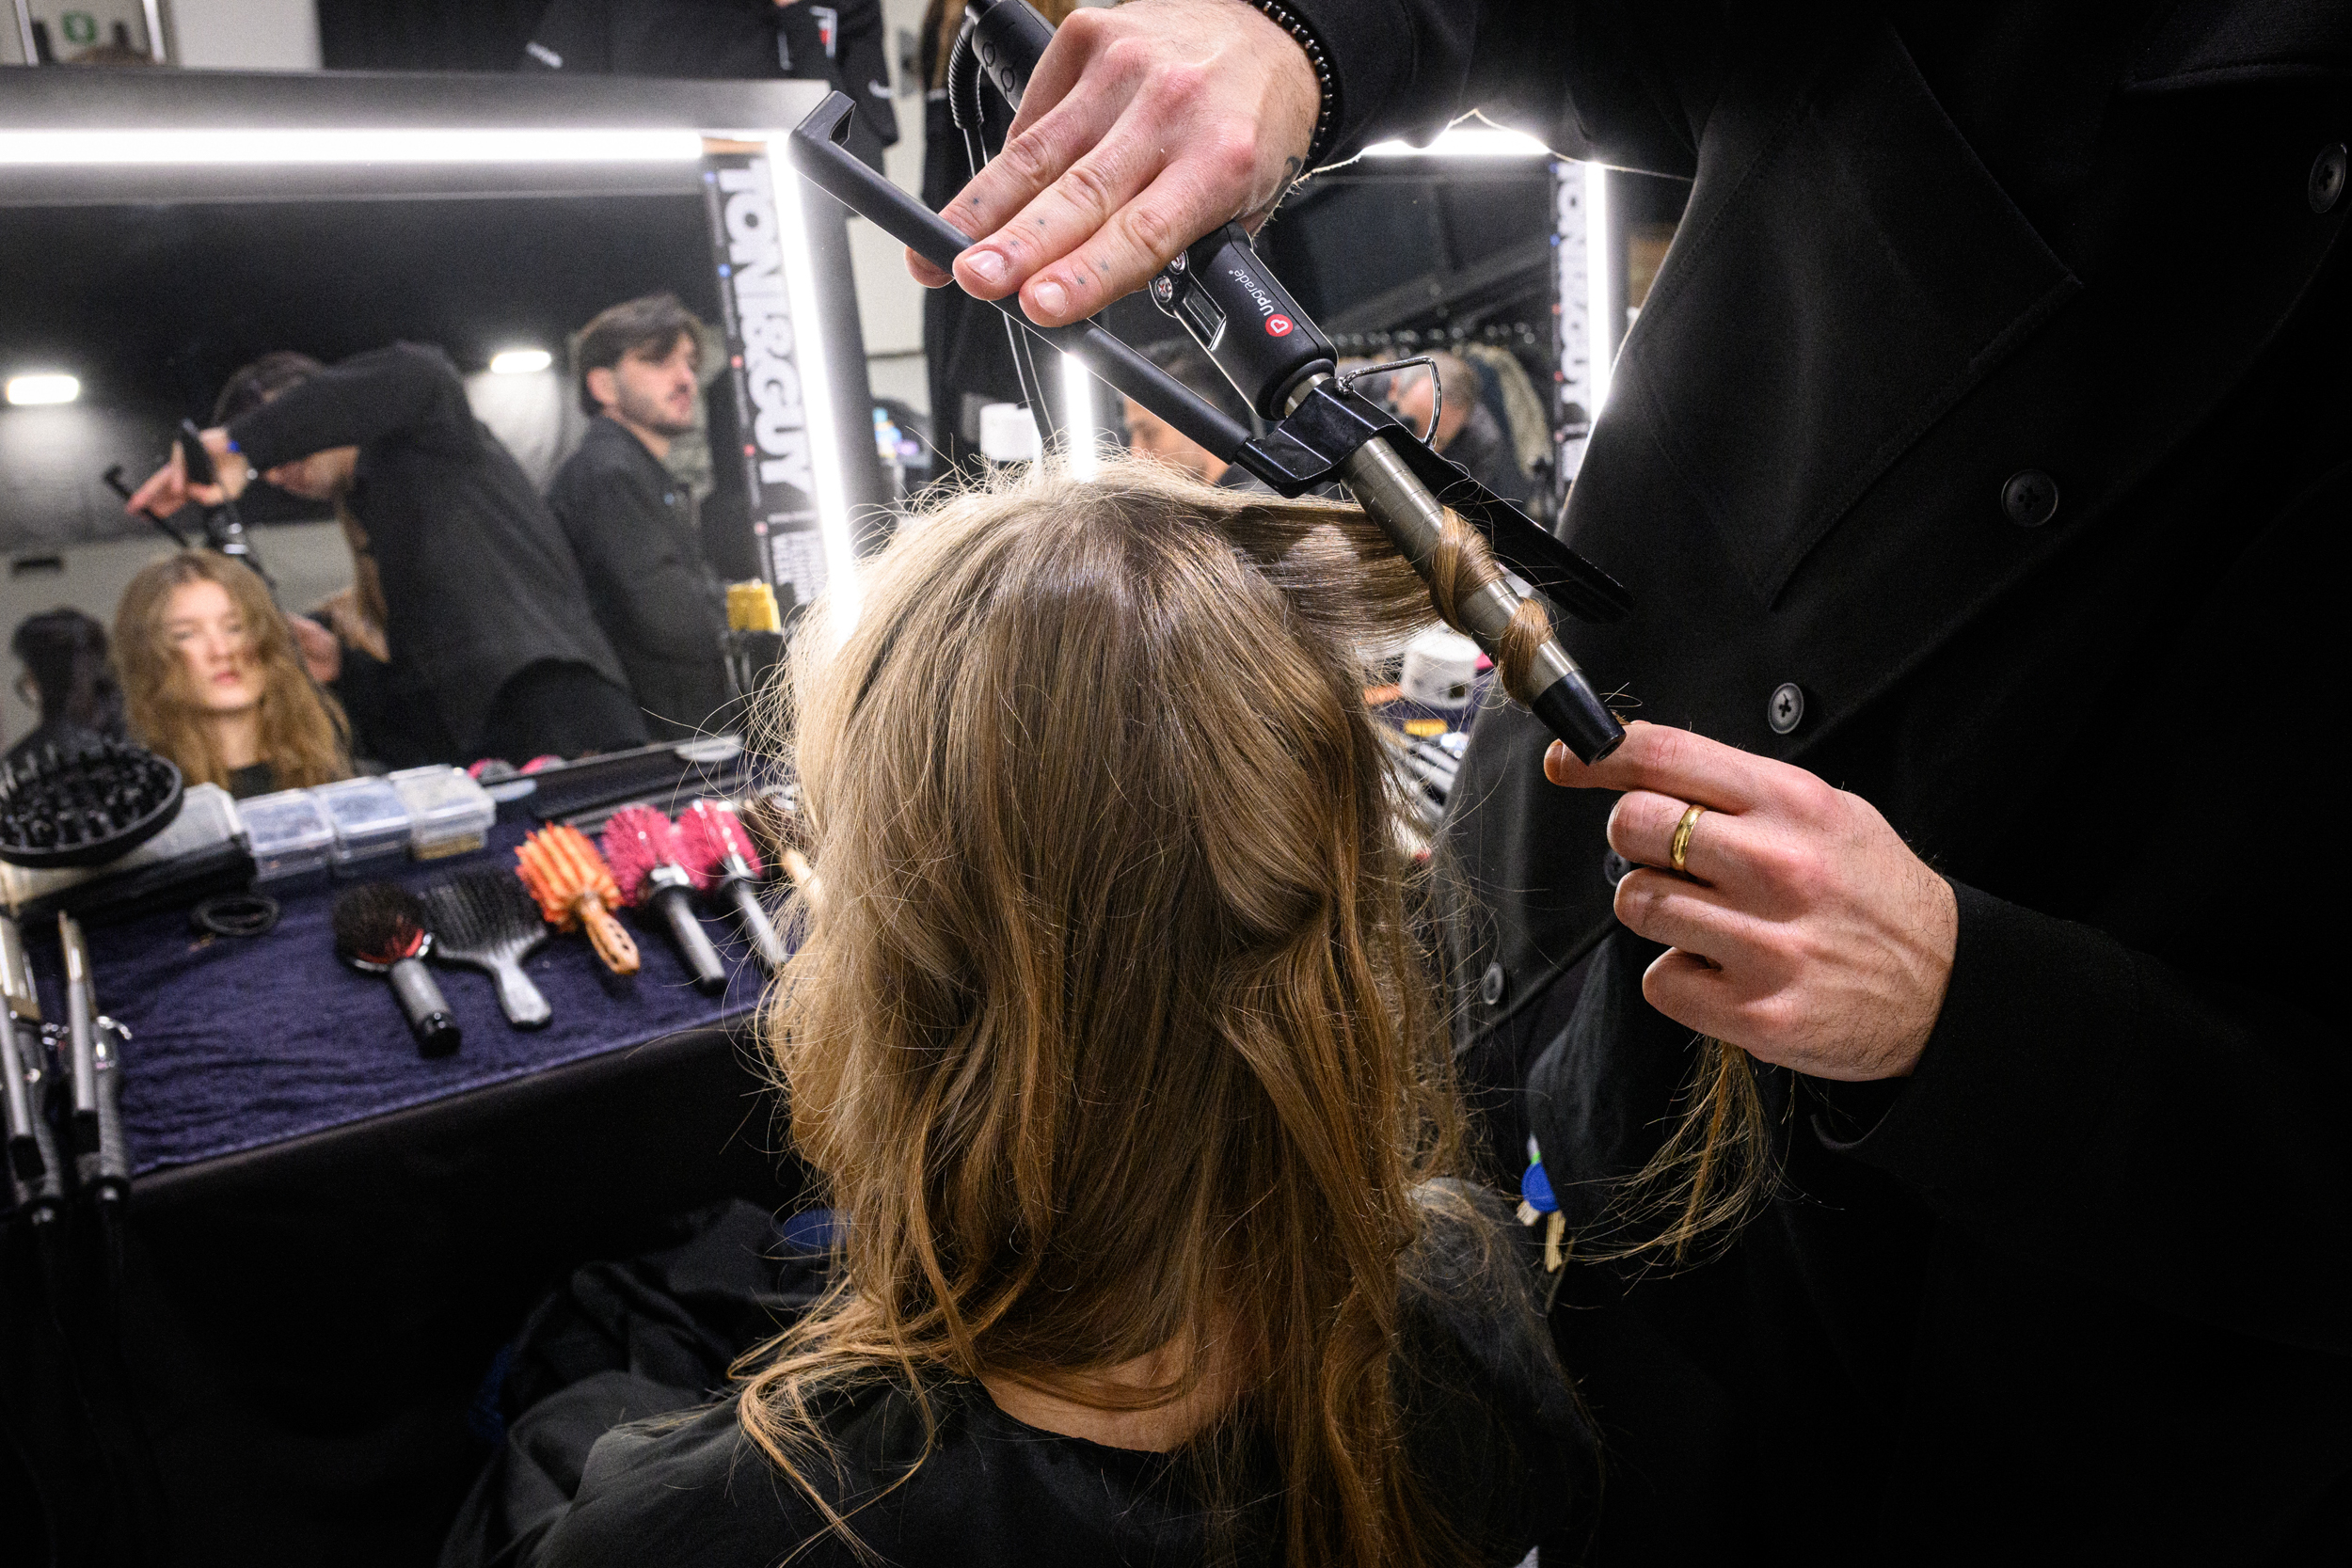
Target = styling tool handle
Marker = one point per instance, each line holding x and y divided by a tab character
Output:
421	998
607	935
693	943
112	1170
522	1000
753	914
81	1010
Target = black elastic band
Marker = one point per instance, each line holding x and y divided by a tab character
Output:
236	914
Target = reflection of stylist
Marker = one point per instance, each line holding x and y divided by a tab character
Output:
631	522
1989	601
484	604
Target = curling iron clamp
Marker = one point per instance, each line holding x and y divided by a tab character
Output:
1281	362
101	1158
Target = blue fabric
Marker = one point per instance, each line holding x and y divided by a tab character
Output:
236	1043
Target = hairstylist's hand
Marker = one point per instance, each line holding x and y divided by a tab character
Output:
168	489
1805	931
1145	126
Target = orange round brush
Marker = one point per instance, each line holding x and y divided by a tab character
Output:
575	889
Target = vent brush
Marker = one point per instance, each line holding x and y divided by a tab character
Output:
574	888
717	847
649	865
380	929
485	920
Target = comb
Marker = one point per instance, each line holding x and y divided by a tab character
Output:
485	920
649	868
575	890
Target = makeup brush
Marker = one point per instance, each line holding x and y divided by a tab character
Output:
574	888
485	920
649	866
716	845
380	929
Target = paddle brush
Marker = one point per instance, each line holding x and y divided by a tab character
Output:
485	920
575	890
717	847
381	929
649	865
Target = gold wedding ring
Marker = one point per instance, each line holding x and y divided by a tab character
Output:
1681	847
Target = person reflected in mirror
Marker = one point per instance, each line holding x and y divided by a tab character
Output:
837	42
486	610
69	680
1467	430
632	523
1151	436
215	681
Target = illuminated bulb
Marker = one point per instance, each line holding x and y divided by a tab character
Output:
520	362
1465	141
43	389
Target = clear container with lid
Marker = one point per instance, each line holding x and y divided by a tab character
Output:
371	820
449	813
289	834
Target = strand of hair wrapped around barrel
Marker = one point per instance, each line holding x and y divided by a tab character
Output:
1460	566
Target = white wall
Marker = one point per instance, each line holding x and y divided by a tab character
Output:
244	35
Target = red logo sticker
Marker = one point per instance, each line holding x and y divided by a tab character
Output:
1278	326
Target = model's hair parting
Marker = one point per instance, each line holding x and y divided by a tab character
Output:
1106	1033
304	736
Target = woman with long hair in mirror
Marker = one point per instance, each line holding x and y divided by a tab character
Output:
1108	1038
212	680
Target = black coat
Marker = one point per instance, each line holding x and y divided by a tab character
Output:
631	525
479	582
2077	1286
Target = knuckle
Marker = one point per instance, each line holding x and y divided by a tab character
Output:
1179	83
1151	230
1084	186
1232	155
1030	155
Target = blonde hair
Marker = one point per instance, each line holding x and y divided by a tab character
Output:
303	731
1106	1033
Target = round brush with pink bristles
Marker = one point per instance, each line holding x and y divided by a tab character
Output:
649	867
717	846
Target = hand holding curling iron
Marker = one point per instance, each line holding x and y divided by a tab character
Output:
1801	927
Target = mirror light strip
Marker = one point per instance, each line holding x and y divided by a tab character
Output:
1465	141
1082	437
534	145
815	369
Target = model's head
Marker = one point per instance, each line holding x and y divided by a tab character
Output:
70	679
201	645
1106	1030
639	361
321	476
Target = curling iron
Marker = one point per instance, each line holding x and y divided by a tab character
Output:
35	1175
102	1160
224	526
1283	365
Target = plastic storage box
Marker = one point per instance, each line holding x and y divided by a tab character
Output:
289	834
371	820
449	813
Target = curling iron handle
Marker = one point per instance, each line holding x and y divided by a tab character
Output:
111	1165
1396	500
428	1012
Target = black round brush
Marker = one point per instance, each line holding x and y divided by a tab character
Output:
380	929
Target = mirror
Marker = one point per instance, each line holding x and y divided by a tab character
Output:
456	558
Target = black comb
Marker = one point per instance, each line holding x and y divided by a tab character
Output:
486	919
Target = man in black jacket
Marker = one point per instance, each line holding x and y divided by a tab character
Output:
486	612
631	523
1978	465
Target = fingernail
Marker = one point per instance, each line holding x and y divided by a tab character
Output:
1050	297
987	266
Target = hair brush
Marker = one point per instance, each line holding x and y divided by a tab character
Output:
649	866
574	888
485	920
380	929
717	845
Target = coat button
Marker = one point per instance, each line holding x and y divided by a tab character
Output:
1616	867
1491	985
2030	497
2326	183
1785	711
